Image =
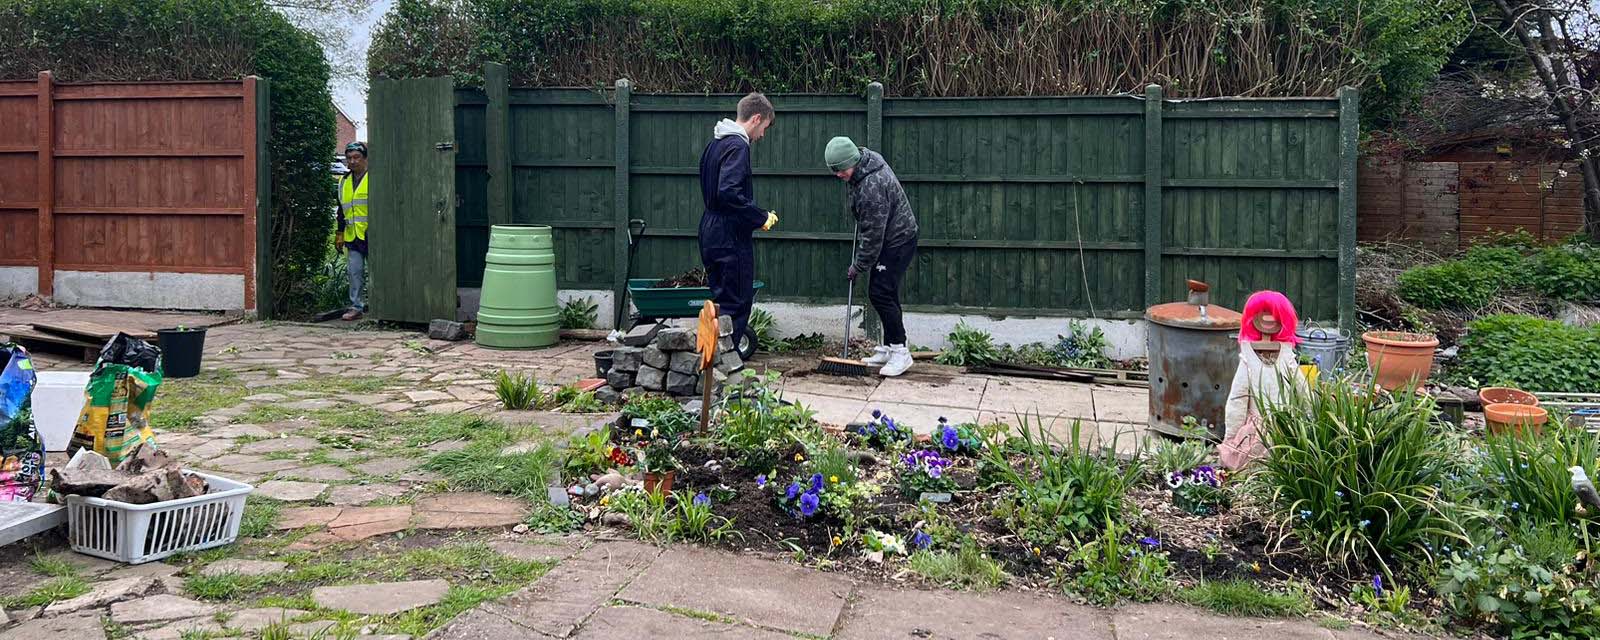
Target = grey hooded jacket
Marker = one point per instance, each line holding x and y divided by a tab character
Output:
882	212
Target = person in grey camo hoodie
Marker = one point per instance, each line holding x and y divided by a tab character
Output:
888	244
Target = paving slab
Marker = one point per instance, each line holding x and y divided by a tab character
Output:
291	491
275	445
19	520
381	599
428	396
1121	404
1173	622
480	624
360	523
312	404
362	494
230	465
205	449
63	627
307	517
321	472
763	592
830	410
566	422
851	388
640	622
241	431
551	548
159	608
178	630
468	511
961	391
258	619
242	567
908	613
920	417
387	466
104	593
563	598
395	407
449	407
147	570
1020	395
266	397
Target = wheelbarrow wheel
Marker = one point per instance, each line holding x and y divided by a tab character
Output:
746	344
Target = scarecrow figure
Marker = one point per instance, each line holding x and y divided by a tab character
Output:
1268	367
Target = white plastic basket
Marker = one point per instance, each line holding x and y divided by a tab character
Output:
139	533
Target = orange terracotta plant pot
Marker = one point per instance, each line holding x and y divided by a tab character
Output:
1399	359
1506	395
1512	418
662	482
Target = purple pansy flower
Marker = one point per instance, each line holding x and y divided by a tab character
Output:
816	482
951	440
1377	584
701	500
808	504
794	490
1149	542
921	540
761	482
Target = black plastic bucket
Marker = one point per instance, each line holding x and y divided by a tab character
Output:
181	351
602	363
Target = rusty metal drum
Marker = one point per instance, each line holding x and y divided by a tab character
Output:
1194	352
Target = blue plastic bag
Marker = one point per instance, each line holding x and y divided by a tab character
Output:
21	448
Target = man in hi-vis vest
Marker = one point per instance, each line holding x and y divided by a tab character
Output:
351	236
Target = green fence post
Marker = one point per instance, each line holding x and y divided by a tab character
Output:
1152	195
871	324
619	237
497	137
265	300
1349	132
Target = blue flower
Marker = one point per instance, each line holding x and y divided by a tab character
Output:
1377	584
1305	515
700	499
808	504
951	440
1149	542
1363	524
1516	505
761	482
921	540
1338	493
934	472
816	482
794	490
877	414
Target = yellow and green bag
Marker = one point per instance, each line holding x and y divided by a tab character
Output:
116	406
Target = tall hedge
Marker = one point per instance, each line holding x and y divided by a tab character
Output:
1391	48
149	40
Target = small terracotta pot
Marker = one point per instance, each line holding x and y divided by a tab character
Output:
1511	418
1399	359
1506	395
659	481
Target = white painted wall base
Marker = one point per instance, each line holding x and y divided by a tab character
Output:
467	311
16	282
128	290
1125	338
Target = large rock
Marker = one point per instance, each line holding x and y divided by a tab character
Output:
724	345
610	395
618	379
718	378
729	362
680	384
725	326
655	357
447	330
641	335
626	358
686	362
675	340
652	379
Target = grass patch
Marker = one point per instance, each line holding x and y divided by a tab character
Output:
488	570
338	385
183	400
967	568
1245	598
480	467
699	615
53	566
55	590
260	517
1330	622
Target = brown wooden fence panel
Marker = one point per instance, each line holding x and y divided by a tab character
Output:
1449	206
130	194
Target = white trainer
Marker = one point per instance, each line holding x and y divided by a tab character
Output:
899	361
879	357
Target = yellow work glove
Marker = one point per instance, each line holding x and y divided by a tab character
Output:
772	219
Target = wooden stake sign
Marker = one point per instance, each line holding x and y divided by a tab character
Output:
706	335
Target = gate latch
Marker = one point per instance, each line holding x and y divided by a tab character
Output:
444	146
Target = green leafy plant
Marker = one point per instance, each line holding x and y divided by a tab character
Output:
1567	272
1245	598
1532	353
657	412
1082	347
1499	585
1110	570
757	433
579	313
1526	477
1054	496
593	453
695	521
1356	474
1377	596
966	567
1181	455
1461	285
969	347
517	391
647	513
569	399
548	518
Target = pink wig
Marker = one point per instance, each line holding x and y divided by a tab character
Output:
1276	304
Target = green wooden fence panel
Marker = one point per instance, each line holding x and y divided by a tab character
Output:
1068	206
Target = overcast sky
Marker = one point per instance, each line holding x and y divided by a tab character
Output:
351	94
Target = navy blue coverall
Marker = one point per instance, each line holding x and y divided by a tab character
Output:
727	248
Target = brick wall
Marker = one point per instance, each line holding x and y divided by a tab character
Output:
1446	206
346	131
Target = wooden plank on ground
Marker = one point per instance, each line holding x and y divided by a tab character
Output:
90	331
41	342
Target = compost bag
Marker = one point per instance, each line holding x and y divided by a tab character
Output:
21	448
116	404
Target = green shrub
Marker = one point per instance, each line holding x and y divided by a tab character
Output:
1111	570
1532	353
1057	496
968	567
1526	478
1460	285
579	313
1245	598
1521	592
146	40
1356	475
517	391
1567	272
969	347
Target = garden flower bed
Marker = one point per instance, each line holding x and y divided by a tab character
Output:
1367	507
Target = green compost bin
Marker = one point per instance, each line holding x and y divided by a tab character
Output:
518	308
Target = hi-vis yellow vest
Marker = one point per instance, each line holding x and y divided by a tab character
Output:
353	202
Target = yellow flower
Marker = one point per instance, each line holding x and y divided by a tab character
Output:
837	541
1036	551
605	500
638	433
833	479
799	458
1256	567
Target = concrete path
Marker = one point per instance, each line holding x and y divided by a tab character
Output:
623	589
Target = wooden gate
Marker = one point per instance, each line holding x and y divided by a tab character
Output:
412	263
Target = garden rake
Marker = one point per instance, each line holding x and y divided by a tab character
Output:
843	365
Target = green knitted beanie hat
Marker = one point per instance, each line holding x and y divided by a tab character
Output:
841	154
